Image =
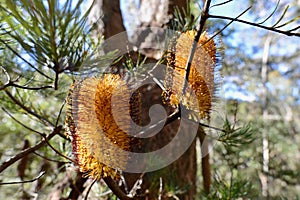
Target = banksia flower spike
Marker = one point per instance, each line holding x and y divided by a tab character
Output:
97	124
199	93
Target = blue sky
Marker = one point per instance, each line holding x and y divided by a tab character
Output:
232	9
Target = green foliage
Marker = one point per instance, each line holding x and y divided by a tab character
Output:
131	65
235	138
54	35
185	19
236	188
43	44
43	41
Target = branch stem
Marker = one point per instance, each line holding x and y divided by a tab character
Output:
116	189
22	182
203	18
273	29
20	155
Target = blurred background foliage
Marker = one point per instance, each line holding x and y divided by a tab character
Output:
44	45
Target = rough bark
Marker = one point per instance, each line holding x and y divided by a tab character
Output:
154	13
108	16
182	173
179	178
158	12
112	18
205	164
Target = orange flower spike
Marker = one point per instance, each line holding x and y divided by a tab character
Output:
201	78
95	133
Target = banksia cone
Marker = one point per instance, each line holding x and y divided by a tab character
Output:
198	95
97	122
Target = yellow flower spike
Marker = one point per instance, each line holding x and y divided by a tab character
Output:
201	77
97	123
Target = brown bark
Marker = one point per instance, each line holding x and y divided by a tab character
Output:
154	13
179	178
23	162
205	165
180	175
182	172
157	13
77	186
112	18
108	17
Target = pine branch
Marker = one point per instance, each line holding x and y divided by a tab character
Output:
12	83
23	59
228	24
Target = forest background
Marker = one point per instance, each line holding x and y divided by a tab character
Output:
260	90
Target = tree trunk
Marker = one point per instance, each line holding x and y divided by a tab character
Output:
265	139
154	13
182	173
109	12
179	178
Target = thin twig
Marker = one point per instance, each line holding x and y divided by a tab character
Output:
56	80
217	33
105	193
28	110
171	118
19	122
60	111
211	127
62	135
28	181
203	18
25	152
288	33
10	82
49	159
116	189
272	13
59	153
7	76
23	59
29	88
160	188
294	29
89	189
220	4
